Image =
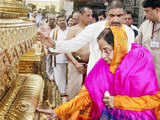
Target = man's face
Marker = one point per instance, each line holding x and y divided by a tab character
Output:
70	22
115	17
151	14
128	19
61	21
52	22
86	17
75	18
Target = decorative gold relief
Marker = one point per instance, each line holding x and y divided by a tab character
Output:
12	9
19	94
27	99
8	99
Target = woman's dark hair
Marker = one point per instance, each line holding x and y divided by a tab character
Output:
151	3
107	35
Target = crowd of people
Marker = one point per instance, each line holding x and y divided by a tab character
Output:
105	68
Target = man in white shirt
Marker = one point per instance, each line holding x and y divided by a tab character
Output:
49	70
58	34
129	21
90	33
149	35
79	59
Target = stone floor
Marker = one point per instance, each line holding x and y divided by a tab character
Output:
50	100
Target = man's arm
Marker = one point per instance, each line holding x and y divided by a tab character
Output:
45	40
77	65
77	42
139	38
71	33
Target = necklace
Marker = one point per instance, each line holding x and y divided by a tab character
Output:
154	31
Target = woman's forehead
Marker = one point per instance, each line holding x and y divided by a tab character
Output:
104	44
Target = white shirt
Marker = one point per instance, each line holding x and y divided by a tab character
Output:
61	35
135	28
89	35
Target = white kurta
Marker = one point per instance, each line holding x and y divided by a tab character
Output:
153	44
89	35
60	69
135	28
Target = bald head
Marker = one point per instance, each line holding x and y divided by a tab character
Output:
85	15
115	4
52	21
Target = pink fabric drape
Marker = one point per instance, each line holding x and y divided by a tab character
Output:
135	76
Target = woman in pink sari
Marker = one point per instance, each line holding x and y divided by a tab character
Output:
120	72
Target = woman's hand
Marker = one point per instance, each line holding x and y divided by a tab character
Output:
109	101
47	111
51	117
52	114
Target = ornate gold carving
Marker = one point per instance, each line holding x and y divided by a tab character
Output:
12	9
19	94
8	99
12	36
27	99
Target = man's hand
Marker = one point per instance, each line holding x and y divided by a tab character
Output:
45	40
80	68
109	101
54	52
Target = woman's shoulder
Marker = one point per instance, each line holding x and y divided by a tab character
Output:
140	51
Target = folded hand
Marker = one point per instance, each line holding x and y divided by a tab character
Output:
109	101
52	114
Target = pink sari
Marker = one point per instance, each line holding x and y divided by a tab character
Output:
134	77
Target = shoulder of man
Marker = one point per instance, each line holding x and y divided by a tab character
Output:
99	23
145	24
130	34
128	29
53	32
75	27
135	27
53	29
90	27
96	25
